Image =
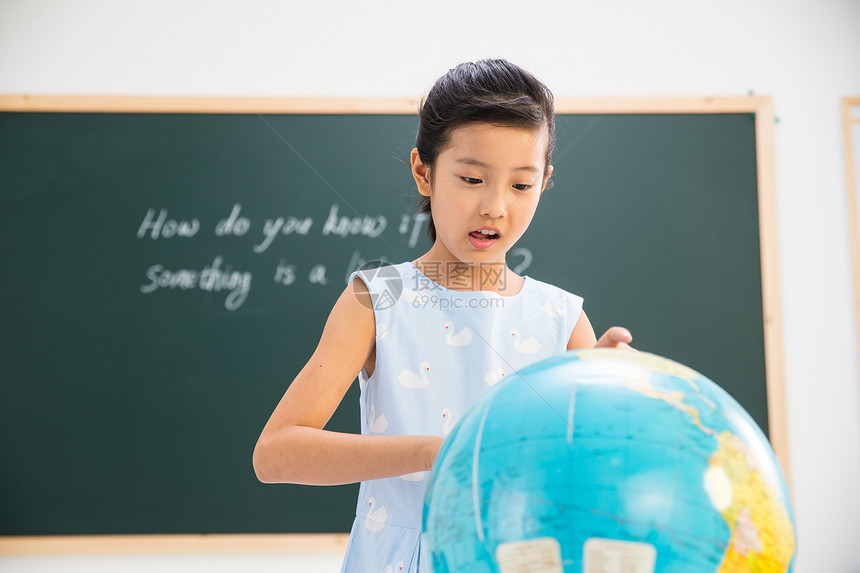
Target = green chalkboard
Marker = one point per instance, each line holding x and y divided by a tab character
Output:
165	276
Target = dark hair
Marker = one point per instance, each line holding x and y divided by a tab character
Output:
492	91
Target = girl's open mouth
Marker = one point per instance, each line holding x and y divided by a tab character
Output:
483	238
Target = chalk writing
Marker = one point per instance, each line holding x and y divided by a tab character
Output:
164	228
212	278
288	226
285	274
234	224
525	263
346	226
317	275
218	277
357	262
416	222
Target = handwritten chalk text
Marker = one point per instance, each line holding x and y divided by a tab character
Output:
162	227
346	226
212	278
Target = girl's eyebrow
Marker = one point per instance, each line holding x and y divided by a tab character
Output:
475	162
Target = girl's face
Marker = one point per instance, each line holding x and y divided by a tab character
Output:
484	190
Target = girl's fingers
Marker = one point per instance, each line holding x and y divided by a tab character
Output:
615	337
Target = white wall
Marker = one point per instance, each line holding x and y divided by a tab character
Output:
806	54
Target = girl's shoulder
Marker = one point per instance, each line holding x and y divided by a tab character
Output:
384	284
539	288
552	302
383	271
553	305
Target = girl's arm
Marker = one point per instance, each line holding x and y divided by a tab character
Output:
583	336
293	447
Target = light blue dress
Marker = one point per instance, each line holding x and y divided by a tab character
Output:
436	351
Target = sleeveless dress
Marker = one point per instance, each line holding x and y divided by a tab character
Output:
437	350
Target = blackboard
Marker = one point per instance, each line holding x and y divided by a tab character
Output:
165	275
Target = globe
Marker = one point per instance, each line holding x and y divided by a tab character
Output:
607	461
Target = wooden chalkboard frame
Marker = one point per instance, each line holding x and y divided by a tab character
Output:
760	107
850	122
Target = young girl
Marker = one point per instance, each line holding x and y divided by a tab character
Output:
426	337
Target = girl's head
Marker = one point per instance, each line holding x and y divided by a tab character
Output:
494	92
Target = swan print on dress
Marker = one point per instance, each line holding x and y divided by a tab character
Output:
528	346
412	380
381	331
462	338
554	310
377	423
376	518
410	296
396	569
493	376
447	421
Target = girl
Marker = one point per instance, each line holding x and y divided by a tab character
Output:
426	337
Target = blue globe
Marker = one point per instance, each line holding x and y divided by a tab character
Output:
607	461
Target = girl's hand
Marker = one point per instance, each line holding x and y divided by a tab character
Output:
615	337
583	336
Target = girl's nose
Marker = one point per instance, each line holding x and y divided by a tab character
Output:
493	204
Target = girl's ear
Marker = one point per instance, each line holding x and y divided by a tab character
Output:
421	174
546	178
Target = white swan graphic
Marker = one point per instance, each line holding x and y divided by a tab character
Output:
554	310
397	569
447	421
376	518
462	338
381	331
417	476
493	376
377	424
412	380
410	296
528	346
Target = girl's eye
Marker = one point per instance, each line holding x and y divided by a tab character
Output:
472	180
522	186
